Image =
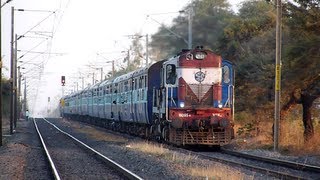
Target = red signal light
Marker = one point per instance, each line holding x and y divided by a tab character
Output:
63	80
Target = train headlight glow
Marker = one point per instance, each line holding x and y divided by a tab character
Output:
200	55
220	105
181	104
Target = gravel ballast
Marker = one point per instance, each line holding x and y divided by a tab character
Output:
116	146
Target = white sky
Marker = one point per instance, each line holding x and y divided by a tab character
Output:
81	30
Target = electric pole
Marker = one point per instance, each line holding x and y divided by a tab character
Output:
101	74
25	96
128	58
113	69
0	79
12	73
15	95
19	92
147	50
277	78
190	14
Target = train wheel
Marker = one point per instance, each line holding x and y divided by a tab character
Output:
165	133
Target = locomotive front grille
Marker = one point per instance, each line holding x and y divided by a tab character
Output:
199	94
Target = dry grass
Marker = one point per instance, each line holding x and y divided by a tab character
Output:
217	172
102	136
92	132
187	163
261	137
149	148
291	139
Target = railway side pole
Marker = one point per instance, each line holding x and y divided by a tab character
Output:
0	78
12	73
277	78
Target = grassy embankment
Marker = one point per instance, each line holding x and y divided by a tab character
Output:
255	132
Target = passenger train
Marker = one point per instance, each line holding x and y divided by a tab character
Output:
187	99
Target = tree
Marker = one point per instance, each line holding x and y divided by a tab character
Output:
5	97
209	20
301	63
137	51
134	57
249	42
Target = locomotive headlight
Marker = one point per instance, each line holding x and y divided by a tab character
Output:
181	104
220	105
200	55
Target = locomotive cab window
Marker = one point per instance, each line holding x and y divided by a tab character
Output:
171	74
226	74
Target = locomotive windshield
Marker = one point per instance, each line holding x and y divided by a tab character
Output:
171	74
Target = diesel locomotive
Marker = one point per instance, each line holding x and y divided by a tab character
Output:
187	99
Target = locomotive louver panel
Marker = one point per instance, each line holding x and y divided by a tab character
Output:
199	94
200	90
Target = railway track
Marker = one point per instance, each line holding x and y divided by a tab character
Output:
284	163
73	158
273	167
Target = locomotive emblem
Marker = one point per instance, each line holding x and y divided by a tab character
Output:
199	76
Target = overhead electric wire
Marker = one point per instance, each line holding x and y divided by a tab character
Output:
32	48
39	23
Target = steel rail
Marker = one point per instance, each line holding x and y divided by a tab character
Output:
52	166
111	163
284	163
278	174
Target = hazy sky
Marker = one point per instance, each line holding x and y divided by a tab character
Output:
77	31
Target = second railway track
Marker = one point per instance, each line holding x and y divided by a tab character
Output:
284	163
277	168
72	159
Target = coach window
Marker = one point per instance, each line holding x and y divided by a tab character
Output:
145	81
115	88
129	85
126	86
171	74
140	82
132	84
